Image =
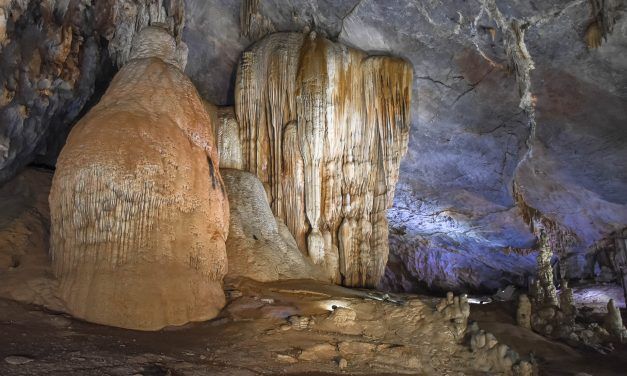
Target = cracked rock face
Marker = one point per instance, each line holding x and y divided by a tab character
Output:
504	93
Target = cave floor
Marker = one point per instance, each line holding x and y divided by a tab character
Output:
251	337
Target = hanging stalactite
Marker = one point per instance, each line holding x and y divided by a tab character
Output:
324	127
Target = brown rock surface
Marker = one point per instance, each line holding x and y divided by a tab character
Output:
138	209
25	273
324	127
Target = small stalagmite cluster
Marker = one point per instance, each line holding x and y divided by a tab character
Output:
139	214
324	128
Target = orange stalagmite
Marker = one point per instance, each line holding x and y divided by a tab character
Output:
139	211
324	127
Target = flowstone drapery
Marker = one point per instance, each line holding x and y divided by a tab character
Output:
324	127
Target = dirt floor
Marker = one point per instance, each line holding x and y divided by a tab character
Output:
252	336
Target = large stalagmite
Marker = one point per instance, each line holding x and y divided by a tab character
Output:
324	127
139	211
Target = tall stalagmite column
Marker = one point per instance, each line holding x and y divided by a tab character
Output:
138	208
545	291
324	127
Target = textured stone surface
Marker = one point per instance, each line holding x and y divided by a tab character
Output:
324	127
139	215
25	272
492	79
56	58
259	245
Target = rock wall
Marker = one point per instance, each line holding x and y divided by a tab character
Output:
56	58
324	127
138	208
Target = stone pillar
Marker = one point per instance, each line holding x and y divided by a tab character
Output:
547	294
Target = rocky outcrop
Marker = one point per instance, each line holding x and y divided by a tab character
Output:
324	127
25	273
614	322
259	245
492	356
139	215
523	312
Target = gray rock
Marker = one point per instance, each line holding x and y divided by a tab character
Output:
17	360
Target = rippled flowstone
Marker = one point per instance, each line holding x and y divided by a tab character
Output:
139	215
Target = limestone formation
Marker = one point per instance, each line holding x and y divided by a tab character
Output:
226	134
567	303
25	273
138	209
545	292
300	322
523	313
324	127
259	245
58	55
492	356
455	309
614	322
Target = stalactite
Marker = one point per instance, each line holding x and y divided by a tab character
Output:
604	14
226	134
253	24
121	20
559	238
324	126
553	239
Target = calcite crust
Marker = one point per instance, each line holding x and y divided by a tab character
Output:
324	127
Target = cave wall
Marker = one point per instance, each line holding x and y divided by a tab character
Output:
56	59
505	94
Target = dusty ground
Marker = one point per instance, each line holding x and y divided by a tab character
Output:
252	335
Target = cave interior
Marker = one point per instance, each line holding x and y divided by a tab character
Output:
246	187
